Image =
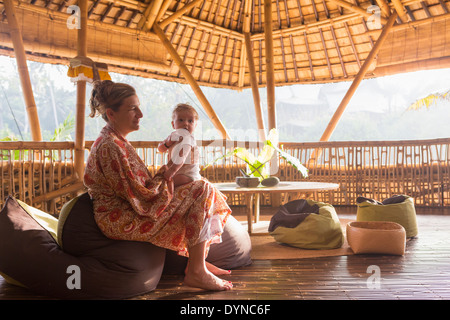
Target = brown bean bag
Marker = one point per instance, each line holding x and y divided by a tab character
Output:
107	269
44	254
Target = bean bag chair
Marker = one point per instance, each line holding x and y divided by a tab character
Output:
102	269
307	224
70	258
398	208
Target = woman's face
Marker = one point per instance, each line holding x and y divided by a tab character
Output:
184	120
126	119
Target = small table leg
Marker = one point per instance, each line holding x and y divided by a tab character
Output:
249	204
256	207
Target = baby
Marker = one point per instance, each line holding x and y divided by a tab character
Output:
183	165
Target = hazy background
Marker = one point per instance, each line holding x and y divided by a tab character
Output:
378	110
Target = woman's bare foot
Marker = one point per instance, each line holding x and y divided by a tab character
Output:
206	280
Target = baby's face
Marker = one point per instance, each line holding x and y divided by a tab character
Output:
184	120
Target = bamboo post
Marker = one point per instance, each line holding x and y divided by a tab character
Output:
252	71
269	64
359	77
191	80
22	68
81	93
255	90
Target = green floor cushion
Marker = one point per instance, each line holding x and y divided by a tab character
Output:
307	224
398	208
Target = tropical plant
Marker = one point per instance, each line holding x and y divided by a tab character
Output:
257	166
430	100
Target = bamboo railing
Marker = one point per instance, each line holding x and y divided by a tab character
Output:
36	172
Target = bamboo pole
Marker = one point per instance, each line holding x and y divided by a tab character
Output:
190	79
81	94
359	77
153	14
398	6
163	10
270	77
356	9
384	7
252	71
179	13
255	90
22	69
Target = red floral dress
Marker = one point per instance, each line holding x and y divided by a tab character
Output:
129	204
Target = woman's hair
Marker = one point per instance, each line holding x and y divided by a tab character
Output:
184	107
108	94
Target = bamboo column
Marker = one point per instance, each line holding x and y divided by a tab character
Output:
252	71
81	93
191	80
255	89
269	64
21	58
359	77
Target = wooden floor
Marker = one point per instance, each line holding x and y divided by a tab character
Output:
422	273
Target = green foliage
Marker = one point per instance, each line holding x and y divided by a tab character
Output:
257	165
430	100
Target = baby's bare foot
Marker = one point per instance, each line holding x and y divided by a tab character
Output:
216	270
207	281
213	269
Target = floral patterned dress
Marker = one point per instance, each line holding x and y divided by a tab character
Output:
129	204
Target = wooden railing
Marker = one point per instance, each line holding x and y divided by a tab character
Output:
35	172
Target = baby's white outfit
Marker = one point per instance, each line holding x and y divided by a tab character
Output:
191	166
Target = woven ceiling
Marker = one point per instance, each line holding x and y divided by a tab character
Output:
314	41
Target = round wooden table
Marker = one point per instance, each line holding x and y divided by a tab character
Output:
252	195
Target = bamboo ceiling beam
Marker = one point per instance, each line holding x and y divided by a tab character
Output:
156	7
163	9
412	24
384	7
401	11
81	93
21	58
179	13
270	77
359	77
356	9
429	64
192	82
69	52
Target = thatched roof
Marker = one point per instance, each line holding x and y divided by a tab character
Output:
313	40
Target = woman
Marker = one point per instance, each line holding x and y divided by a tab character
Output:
129	204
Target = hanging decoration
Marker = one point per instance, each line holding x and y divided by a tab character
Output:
85	69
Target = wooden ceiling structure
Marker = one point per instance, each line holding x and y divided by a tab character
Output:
233	44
